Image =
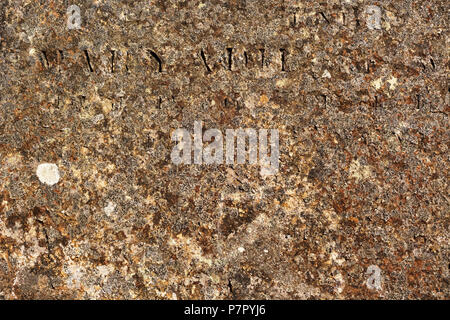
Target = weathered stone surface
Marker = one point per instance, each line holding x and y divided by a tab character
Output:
361	105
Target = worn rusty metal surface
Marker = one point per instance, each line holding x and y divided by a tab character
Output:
361	106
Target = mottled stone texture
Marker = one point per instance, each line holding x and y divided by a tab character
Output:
361	108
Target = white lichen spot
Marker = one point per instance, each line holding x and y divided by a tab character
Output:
75	274
326	74
377	83
392	83
104	271
282	83
358	171
241	249
99	117
13	159
109	209
48	173
335	258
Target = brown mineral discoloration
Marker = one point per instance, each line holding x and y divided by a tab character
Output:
363	121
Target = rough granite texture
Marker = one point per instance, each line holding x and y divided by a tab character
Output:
362	113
